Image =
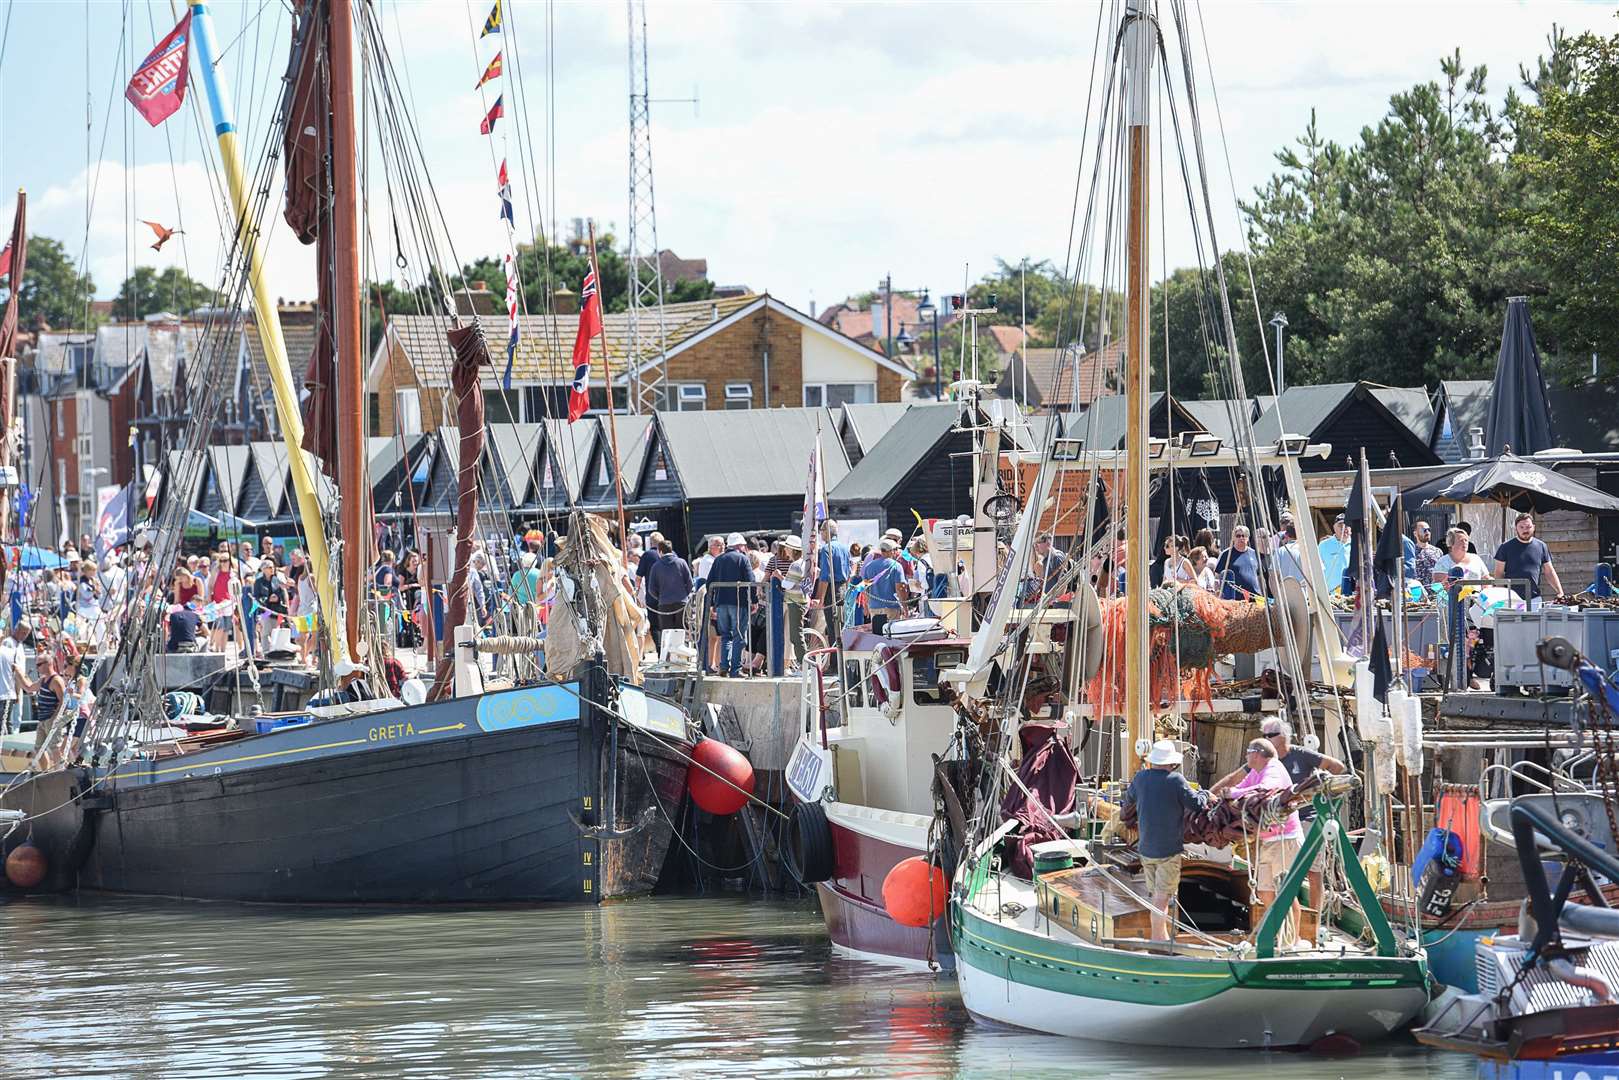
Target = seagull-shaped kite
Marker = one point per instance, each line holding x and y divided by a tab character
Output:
163	233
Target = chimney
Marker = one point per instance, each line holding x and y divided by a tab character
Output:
476	299
565	301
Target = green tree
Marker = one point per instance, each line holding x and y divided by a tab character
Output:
1393	257
147	290
54	293
545	269
1570	154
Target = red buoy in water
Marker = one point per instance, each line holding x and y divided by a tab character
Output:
914	892
26	866
719	777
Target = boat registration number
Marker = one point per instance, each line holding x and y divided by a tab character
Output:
809	770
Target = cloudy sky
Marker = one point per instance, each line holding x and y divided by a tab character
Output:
831	143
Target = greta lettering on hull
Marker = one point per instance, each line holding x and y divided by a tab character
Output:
390	731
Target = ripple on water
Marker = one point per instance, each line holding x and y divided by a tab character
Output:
712	987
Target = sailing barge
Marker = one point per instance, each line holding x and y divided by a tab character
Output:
560	791
506	796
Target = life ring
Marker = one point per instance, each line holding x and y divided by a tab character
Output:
808	850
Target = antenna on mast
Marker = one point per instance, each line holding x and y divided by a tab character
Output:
647	341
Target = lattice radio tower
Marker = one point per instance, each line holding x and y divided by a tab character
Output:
646	330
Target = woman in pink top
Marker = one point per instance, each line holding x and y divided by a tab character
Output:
1278	844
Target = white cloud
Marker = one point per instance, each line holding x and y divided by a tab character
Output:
833	143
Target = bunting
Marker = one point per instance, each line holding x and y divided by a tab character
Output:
491	25
590	324
505	191
495	113
511	318
491	72
513	291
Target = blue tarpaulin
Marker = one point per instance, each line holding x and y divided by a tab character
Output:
29	557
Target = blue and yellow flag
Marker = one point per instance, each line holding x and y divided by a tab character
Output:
491	25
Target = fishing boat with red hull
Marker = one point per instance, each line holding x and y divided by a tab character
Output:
510	796
864	788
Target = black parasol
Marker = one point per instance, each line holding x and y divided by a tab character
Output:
1511	481
1520	420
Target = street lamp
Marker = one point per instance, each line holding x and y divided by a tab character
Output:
1279	321
905	340
927	310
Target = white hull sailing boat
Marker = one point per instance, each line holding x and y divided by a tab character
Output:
1065	947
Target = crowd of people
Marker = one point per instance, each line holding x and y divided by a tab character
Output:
755	615
756	601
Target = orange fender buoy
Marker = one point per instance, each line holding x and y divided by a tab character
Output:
26	866
719	777
914	893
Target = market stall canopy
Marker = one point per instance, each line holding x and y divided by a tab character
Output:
29	557
1520	419
1512	481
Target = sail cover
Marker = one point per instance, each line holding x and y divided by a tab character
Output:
15	257
471	355
305	145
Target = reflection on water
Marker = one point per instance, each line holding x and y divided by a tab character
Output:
670	987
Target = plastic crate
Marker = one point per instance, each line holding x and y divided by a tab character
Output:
263	725
1594	632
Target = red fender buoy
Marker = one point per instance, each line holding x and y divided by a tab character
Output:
719	777
914	893
26	866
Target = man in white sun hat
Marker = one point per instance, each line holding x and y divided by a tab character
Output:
1161	795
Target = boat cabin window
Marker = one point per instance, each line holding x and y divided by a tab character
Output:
925	669
854	683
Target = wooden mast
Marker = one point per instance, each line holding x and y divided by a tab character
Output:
1139	45
355	505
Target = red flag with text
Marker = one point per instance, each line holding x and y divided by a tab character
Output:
159	87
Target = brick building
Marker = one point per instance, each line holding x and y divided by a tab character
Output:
745	352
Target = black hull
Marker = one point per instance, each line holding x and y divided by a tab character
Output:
489	817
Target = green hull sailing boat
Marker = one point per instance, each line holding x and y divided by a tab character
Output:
1051	921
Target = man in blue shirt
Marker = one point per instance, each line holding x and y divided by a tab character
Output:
832	578
1238	568
668	586
885	574
1160	796
730	589
1335	554
1525	556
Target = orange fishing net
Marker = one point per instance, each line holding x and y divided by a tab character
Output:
1171	677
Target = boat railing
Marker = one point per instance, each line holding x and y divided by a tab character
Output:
1522	771
816	707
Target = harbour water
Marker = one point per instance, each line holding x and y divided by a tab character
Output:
669	987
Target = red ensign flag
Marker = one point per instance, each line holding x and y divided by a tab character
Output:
590	324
